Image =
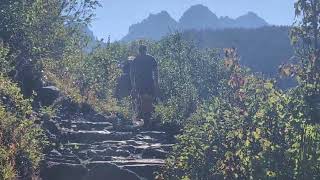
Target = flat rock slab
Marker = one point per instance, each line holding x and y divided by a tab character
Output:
95	136
63	171
92	171
154	153
125	162
88	125
147	171
109	171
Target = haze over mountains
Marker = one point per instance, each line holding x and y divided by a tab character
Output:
197	17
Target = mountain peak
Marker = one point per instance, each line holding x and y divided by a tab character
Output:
198	17
154	26
250	13
198	7
162	14
251	20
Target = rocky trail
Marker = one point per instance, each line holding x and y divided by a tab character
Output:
96	148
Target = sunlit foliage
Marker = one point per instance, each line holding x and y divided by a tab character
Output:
253	130
21	140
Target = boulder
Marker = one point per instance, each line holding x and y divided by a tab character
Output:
47	95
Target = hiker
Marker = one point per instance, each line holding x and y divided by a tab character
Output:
124	88
144	82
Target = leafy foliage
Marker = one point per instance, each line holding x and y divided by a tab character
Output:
39	29
21	140
252	131
31	32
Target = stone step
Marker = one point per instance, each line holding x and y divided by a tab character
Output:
88	171
126	162
99	136
104	153
102	170
71	160
62	171
145	168
105	147
86	125
147	171
93	136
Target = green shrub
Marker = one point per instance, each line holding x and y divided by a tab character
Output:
21	140
251	131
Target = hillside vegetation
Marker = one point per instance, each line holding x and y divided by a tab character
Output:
32	33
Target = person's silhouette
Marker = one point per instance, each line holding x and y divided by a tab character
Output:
144	81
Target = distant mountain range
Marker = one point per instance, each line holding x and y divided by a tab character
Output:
197	17
261	46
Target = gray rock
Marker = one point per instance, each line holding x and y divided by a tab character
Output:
122	153
108	171
55	152
154	153
63	171
87	136
47	95
101	158
146	171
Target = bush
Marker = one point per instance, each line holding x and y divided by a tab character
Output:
21	140
250	131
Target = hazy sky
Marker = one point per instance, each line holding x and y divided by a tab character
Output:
115	17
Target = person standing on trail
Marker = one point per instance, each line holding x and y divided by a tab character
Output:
124	88
144	82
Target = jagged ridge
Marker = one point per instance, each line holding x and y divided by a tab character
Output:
197	17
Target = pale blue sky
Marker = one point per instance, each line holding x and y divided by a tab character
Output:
115	17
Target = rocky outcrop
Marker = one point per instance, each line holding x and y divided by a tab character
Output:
92	148
199	17
156	26
250	20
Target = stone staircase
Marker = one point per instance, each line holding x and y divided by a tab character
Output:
92	148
